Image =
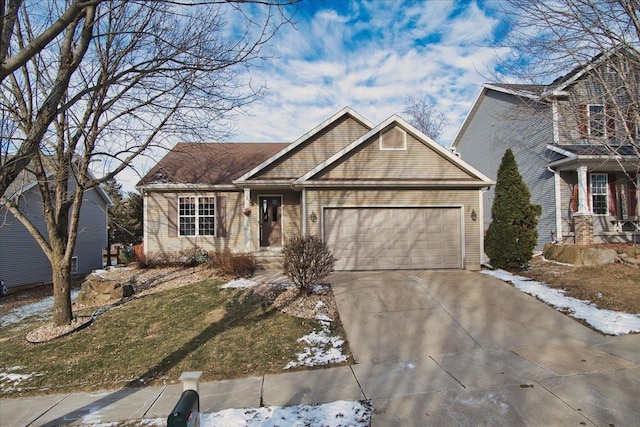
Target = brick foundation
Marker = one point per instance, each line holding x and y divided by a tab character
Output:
583	226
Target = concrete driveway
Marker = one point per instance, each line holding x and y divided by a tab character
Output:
463	348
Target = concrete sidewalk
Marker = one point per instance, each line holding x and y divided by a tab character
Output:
432	348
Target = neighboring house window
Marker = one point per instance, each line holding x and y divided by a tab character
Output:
196	216
74	265
597	121
599	195
596	117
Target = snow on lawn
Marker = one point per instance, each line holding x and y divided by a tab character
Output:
240	284
335	414
322	348
11	380
606	321
40	308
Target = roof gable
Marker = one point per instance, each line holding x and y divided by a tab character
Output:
421	160
312	148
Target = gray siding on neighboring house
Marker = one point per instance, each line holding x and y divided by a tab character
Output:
23	262
503	121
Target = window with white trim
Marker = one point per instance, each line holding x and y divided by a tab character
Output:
599	194
74	265
597	120
196	216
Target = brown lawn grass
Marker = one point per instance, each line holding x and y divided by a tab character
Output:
225	333
612	287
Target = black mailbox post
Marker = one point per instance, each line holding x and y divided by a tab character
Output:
186	412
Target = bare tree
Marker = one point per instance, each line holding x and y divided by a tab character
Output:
120	79
552	41
424	115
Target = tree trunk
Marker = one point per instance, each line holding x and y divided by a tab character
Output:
62	314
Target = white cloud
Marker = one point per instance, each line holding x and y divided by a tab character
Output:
369	56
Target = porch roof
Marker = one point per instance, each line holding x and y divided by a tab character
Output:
599	157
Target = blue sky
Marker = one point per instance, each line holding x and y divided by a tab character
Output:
368	55
371	55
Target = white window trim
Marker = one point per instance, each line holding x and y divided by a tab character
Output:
74	263
404	141
606	193
604	120
197	217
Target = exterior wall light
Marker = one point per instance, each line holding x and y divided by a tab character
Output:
474	215
313	217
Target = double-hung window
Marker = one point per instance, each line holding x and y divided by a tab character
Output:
599	196
597	121
196	216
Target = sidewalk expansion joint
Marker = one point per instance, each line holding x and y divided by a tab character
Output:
358	382
261	403
448	373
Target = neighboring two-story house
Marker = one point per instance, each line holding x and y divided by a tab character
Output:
22	261
576	144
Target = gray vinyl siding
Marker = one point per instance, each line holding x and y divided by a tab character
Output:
22	261
317	199
316	150
503	121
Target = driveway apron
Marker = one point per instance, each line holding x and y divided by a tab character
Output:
463	348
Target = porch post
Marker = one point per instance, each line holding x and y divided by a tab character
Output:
583	219
583	203
247	221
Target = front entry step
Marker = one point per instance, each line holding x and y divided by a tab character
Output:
270	259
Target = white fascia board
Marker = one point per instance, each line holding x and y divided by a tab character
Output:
303	138
518	93
465	123
561	151
394	184
476	104
187	187
445	152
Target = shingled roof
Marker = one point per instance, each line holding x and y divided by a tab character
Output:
209	163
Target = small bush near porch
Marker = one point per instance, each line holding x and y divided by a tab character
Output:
307	260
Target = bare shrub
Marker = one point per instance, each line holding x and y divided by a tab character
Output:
307	260
185	258
233	264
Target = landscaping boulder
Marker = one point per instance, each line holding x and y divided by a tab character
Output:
593	256
96	291
565	254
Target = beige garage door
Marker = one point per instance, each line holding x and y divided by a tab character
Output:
394	238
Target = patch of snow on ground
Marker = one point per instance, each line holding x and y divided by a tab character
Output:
606	321
322	349
11	380
40	308
240	284
335	414
104	273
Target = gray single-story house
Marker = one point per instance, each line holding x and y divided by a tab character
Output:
381	196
